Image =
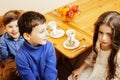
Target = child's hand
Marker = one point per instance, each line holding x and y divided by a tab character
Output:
17	73
75	74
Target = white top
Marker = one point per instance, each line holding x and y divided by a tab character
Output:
100	63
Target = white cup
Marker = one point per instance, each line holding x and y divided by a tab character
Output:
52	25
71	32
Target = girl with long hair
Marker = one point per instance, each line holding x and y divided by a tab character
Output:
103	63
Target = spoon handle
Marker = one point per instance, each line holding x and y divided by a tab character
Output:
79	48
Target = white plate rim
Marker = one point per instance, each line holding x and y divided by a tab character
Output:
62	34
77	42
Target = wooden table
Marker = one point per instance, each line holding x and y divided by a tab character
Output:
83	37
83	23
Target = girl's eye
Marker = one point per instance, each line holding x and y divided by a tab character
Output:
100	32
110	35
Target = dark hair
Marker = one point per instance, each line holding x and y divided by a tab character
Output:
29	20
112	19
10	16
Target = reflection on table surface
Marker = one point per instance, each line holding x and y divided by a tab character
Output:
83	38
83	24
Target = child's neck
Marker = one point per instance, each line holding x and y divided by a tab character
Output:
105	48
16	39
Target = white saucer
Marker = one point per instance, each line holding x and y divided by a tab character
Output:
77	43
57	33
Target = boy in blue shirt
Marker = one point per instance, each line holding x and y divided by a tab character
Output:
10	42
36	59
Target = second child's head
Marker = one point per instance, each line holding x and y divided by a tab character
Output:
107	30
33	27
10	19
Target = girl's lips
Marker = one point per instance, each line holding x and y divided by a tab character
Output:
104	42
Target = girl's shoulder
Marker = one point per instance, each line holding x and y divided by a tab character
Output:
118	53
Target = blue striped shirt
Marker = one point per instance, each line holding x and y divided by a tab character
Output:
9	46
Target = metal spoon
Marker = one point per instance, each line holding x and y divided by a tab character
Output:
83	46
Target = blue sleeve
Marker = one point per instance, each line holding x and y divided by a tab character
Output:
23	68
3	49
51	71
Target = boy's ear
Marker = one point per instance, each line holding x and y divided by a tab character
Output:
26	36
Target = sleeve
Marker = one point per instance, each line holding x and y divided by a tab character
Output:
3	49
23	68
118	58
51	71
91	59
118	64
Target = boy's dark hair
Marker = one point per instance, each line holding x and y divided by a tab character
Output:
10	16
29	20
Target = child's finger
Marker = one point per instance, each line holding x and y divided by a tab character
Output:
74	77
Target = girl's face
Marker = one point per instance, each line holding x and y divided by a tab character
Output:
38	35
12	29
104	36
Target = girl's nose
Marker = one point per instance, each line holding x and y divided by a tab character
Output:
104	37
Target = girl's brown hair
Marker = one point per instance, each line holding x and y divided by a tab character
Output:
112	19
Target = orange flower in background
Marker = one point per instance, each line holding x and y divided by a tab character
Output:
68	13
